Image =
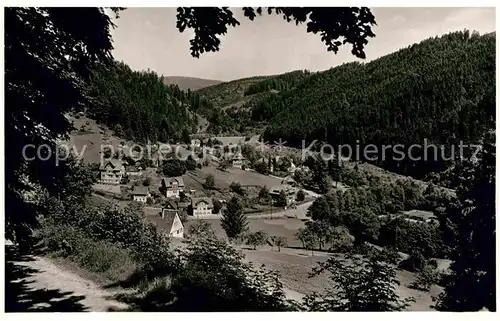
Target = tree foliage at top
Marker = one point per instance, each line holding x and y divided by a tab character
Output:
337	25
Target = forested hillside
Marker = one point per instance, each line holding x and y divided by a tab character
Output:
137	105
442	90
236	100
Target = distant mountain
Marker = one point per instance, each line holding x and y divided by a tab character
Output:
191	83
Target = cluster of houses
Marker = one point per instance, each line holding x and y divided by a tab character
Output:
113	171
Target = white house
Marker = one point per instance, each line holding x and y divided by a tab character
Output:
169	223
140	194
172	186
202	206
290	192
112	171
238	160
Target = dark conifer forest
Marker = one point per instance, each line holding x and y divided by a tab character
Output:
442	90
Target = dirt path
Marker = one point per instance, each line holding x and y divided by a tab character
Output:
36	284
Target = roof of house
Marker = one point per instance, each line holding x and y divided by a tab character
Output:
288	179
278	188
237	157
170	205
115	163
183	204
196	200
226	140
164	224
140	190
167	181
420	214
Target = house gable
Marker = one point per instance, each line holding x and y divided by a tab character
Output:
176	224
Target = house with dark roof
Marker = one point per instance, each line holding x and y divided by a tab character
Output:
171	206
112	171
140	194
169	223
172	186
201	206
290	192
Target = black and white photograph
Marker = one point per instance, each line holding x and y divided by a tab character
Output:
249	159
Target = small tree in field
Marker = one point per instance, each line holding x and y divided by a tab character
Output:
361	284
201	228
308	240
257	239
301	196
237	188
425	279
209	182
281	200
261	167
217	207
233	221
263	193
279	241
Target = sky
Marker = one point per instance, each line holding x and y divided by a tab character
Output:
146	38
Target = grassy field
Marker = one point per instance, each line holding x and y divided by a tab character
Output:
224	178
286	227
294	267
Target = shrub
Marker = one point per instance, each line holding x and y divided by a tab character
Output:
256	239
355	279
190	163
279	241
173	167
261	167
263	193
237	188
232	286
425	279
209	182
415	262
201	228
217	207
109	260
301	195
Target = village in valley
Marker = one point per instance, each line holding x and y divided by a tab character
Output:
171	200
363	181
192	182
